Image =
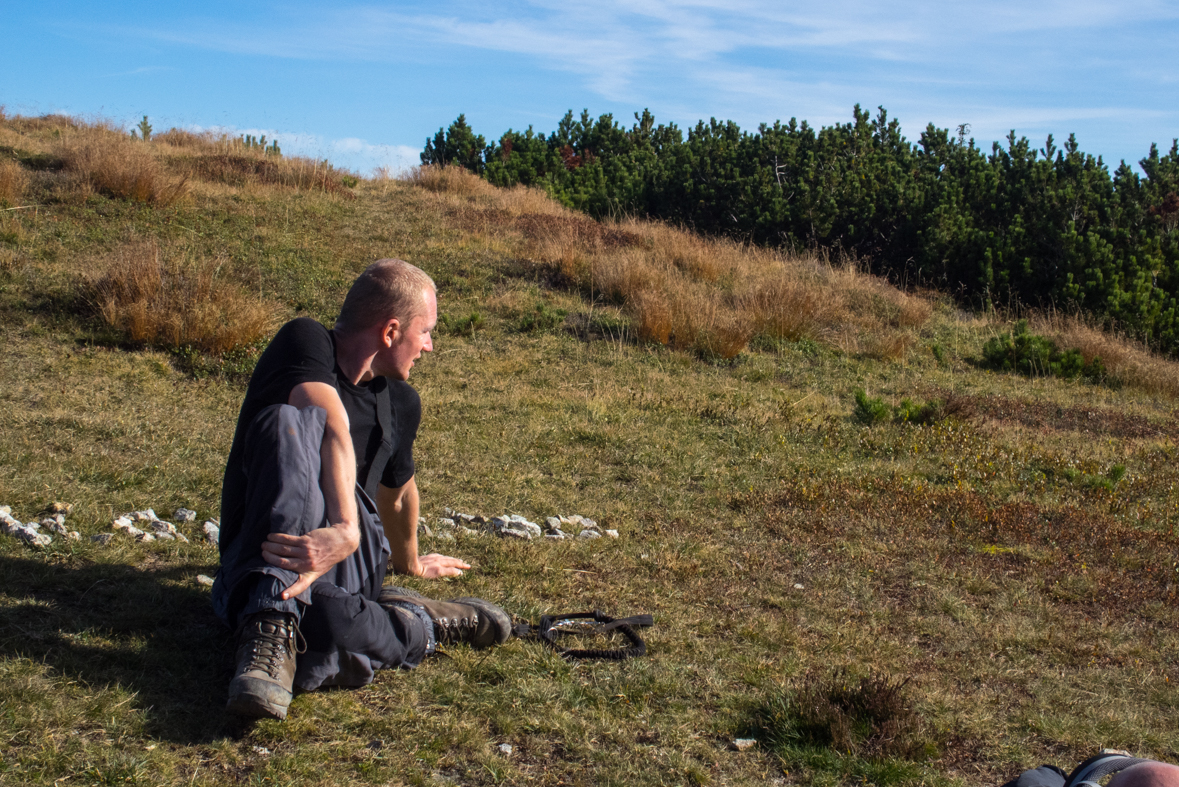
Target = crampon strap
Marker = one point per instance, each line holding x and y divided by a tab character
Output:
550	626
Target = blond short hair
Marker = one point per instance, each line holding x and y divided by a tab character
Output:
387	289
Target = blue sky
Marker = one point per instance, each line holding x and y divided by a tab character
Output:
365	84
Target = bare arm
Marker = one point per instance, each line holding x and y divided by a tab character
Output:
313	554
398	509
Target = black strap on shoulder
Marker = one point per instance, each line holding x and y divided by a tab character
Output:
385	421
548	629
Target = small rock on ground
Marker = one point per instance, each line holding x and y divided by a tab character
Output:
513	532
204	579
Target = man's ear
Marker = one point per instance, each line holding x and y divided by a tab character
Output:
391	331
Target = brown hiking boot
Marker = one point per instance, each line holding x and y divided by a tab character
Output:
263	681
479	623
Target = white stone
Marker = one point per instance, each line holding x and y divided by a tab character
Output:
31	537
212	531
165	536
798	586
448	512
147	515
180	536
122	525
204	579
589	534
556	535
424	530
6	510
744	744
51	524
612	533
466	531
444	536
468	518
184	515
499	522
102	539
505	748
160	526
74	535
512	532
55	518
445	522
145	537
553	523
532	528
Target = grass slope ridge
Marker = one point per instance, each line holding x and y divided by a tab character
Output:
997	557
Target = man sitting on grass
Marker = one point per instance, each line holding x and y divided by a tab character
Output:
319	496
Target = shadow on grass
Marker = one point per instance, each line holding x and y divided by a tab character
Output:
151	632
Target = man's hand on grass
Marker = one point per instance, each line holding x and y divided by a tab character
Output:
310	555
435	566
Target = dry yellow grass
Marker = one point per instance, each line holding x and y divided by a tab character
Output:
683	290
100	157
169	301
13	182
1124	359
449	180
115	165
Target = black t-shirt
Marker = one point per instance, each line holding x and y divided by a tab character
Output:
304	351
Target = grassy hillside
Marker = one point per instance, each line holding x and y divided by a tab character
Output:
1009	551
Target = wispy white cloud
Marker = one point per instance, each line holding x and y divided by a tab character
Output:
612	43
139	71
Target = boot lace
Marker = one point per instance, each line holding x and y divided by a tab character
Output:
274	641
451	631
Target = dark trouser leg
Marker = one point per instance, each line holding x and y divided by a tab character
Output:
348	634
351	622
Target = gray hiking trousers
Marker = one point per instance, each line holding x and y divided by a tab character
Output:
349	636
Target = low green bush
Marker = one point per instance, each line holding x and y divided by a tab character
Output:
456	325
541	318
1037	356
870	411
